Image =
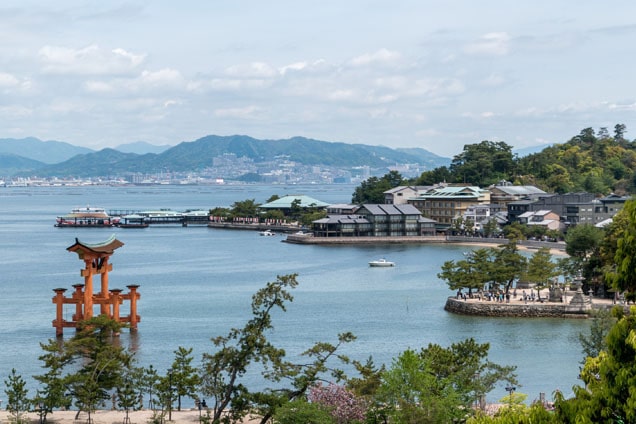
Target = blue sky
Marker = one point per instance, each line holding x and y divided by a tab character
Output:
431	74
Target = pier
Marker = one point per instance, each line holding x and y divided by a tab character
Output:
139	219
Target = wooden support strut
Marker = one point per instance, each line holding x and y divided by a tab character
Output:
96	261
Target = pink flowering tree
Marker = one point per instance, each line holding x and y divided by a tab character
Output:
344	406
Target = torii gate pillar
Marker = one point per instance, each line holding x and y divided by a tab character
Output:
96	262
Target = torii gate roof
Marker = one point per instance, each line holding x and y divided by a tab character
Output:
106	247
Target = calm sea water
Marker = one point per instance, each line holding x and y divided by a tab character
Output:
196	283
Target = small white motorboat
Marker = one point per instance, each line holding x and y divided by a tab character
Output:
381	263
267	233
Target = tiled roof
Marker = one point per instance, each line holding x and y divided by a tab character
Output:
286	202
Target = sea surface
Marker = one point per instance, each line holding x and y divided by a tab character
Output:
196	283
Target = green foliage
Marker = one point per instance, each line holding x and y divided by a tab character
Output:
372	190
501	266
185	379
483	164
52	392
594	343
435	176
225	368
18	402
610	378
597	163
471	273
94	366
520	414
623	276
583	240
127	396
438	384
244	209
302	412
540	269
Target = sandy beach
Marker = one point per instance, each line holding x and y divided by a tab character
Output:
117	417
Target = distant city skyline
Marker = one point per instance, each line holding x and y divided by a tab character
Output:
434	75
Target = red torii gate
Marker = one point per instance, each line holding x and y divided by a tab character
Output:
95	257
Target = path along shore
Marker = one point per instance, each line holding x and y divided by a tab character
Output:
144	416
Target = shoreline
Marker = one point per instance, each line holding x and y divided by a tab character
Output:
556	248
109	416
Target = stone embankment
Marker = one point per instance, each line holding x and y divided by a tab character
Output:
577	305
309	239
516	309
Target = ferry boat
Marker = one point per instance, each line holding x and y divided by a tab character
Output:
86	217
132	221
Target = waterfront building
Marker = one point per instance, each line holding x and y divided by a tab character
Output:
287	203
505	192
445	204
572	208
480	215
342	209
376	220
543	218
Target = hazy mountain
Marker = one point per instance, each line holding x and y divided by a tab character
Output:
106	162
199	154
426	157
11	164
141	147
43	151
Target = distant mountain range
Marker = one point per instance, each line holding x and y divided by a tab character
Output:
31	156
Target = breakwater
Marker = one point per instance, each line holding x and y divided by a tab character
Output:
574	309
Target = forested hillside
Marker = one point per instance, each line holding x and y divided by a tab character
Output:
593	161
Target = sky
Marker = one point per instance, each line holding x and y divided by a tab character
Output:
431	74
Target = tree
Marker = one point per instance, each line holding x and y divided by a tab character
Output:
301	376
225	368
372	190
609	378
439	384
541	269
96	362
471	273
594	343
623	276
245	209
127	396
582	240
52	392
435	176
149	381
302	412
185	379
18	402
507	266
483	164
343	405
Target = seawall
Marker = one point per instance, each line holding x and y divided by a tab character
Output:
517	309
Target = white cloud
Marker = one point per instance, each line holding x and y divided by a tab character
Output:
90	60
98	87
15	112
248	112
304	66
8	80
252	70
491	44
382	56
